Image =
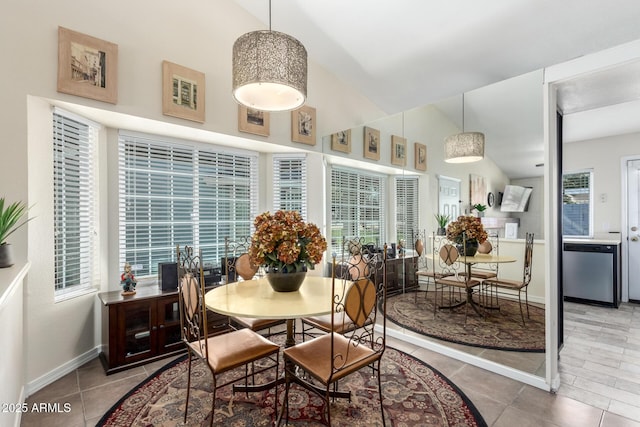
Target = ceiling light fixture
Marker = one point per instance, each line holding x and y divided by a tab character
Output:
269	70
465	147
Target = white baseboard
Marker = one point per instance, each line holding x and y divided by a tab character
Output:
59	372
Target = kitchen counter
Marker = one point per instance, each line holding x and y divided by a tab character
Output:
598	239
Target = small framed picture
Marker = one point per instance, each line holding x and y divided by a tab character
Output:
341	141
398	150
303	125
371	143
253	121
420	156
87	66
183	92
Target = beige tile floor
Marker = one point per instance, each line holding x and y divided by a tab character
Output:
593	395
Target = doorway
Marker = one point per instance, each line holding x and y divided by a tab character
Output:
449	197
633	230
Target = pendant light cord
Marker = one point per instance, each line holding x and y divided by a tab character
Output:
462	109
269	15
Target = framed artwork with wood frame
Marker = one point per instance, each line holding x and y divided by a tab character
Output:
87	66
420	159
341	141
398	150
253	121
477	189
303	125
371	143
183	92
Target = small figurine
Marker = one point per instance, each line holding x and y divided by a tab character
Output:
128	281
400	247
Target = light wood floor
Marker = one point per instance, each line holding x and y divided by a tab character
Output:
600	361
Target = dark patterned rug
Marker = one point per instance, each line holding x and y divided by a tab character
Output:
499	329
414	393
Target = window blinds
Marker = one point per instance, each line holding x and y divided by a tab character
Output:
406	207
181	193
357	206
576	204
290	183
75	203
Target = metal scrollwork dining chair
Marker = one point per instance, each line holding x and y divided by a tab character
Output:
223	352
328	358
237	264
518	286
358	261
428	271
457	277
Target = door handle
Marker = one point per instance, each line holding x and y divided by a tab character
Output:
634	239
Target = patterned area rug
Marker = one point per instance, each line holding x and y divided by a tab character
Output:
500	329
414	393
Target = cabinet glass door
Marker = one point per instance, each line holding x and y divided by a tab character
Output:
169	336
138	324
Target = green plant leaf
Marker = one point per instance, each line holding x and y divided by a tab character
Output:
10	218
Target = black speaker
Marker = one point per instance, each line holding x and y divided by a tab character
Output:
168	276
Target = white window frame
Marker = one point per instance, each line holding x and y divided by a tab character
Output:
187	167
591	199
75	182
349	202
285	181
407	207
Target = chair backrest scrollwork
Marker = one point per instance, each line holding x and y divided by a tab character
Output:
528	258
359	303
236	259
193	317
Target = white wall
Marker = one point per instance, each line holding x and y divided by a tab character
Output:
532	221
603	155
197	35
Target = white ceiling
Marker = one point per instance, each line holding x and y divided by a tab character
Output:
404	54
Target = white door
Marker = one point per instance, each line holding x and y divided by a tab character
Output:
633	221
449	197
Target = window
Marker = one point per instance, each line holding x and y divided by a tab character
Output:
406	207
75	204
357	206
577	203
290	183
182	193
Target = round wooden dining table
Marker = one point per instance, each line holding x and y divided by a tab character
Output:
256	299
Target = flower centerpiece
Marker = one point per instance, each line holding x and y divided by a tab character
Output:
471	227
286	246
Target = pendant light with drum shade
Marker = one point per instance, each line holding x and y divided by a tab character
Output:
269	70
465	147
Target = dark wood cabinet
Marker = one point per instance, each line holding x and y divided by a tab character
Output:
144	327
401	274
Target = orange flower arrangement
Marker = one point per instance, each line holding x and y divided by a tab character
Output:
284	242
470	225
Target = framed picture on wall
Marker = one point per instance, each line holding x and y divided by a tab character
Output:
371	143
477	190
303	125
398	150
253	121
183	92
341	141
420	156
87	66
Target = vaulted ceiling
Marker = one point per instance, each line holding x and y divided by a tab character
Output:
404	54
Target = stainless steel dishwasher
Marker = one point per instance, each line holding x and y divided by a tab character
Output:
591	273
